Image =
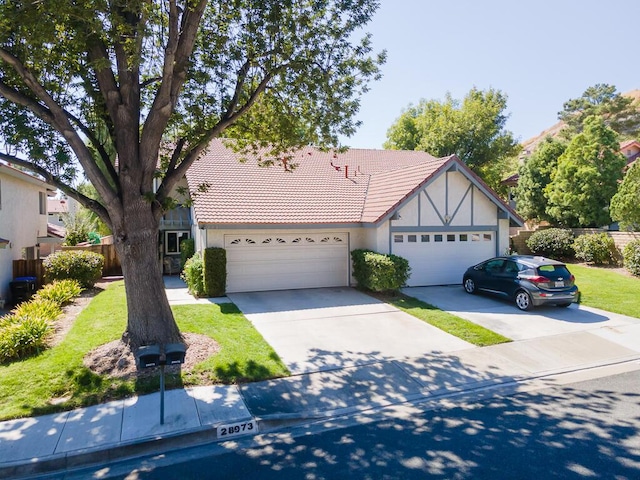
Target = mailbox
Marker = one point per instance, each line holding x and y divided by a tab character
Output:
149	356
174	353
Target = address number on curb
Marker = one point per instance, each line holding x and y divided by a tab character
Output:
235	429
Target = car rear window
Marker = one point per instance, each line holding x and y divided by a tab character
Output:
554	270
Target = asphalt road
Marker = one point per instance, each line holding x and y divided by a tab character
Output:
585	430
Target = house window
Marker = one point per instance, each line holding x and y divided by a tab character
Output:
451	238
398	239
464	237
43	203
411	238
486	237
437	238
172	241
475	237
425	238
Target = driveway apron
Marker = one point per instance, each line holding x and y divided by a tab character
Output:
502	316
327	328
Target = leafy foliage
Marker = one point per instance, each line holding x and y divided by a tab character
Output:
597	248
78	226
625	204
38	307
617	111
378	272
552	242
586	177
535	175
187	249
215	271
84	267
22	336
631	255
193	275
473	129
60	291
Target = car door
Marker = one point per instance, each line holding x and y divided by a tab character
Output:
505	280
490	280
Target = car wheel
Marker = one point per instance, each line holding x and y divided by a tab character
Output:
564	305
523	300
469	285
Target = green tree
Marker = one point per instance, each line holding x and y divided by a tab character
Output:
88	190
535	175
625	204
151	83
619	112
78	226
473	129
586	177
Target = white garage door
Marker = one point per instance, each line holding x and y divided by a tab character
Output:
286	261
442	258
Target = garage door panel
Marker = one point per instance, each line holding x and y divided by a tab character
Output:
286	261
442	262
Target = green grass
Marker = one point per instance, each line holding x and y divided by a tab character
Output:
57	380
608	289
459	327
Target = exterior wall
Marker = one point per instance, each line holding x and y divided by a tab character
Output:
20	220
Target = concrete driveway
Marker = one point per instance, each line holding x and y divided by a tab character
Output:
502	316
326	328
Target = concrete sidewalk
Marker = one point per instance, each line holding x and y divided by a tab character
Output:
131	427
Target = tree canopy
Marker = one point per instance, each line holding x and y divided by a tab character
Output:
625	204
534	176
618	112
473	129
586	177
129	91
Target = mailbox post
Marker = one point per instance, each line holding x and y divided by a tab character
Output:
149	356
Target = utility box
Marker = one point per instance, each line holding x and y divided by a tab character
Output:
174	353
149	356
22	288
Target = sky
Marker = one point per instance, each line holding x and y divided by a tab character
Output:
540	54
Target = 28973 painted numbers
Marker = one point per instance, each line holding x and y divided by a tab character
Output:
235	429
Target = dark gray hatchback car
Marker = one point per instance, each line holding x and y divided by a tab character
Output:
529	281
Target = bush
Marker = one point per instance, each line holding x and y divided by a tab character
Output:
187	250
552	242
598	248
38	308
85	267
378	272
215	271
60	291
22	336
631	255
193	275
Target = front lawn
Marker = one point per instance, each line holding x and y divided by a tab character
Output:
57	380
608	289
456	326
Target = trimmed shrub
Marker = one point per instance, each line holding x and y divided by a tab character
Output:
85	267
378	272
552	242
193	275
22	336
187	250
631	255
59	291
215	271
38	308
597	248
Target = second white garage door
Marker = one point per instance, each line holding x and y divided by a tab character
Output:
286	261
442	258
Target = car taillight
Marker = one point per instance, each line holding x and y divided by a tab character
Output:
572	280
539	279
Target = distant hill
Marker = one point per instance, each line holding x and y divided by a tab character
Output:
528	146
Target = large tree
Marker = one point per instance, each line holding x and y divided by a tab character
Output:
586	177
473	129
618	112
132	90
625	204
535	175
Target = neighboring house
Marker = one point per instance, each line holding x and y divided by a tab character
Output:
296	229
57	208
175	226
23	220
631	150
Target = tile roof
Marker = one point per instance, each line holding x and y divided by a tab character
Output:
357	186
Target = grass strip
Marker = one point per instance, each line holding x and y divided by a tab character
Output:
456	326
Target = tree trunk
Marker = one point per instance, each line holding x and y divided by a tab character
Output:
150	319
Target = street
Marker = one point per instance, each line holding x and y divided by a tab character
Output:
580	430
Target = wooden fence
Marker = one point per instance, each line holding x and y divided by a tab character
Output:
34	268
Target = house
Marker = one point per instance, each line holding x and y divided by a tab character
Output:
58	208
23	220
631	150
295	227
